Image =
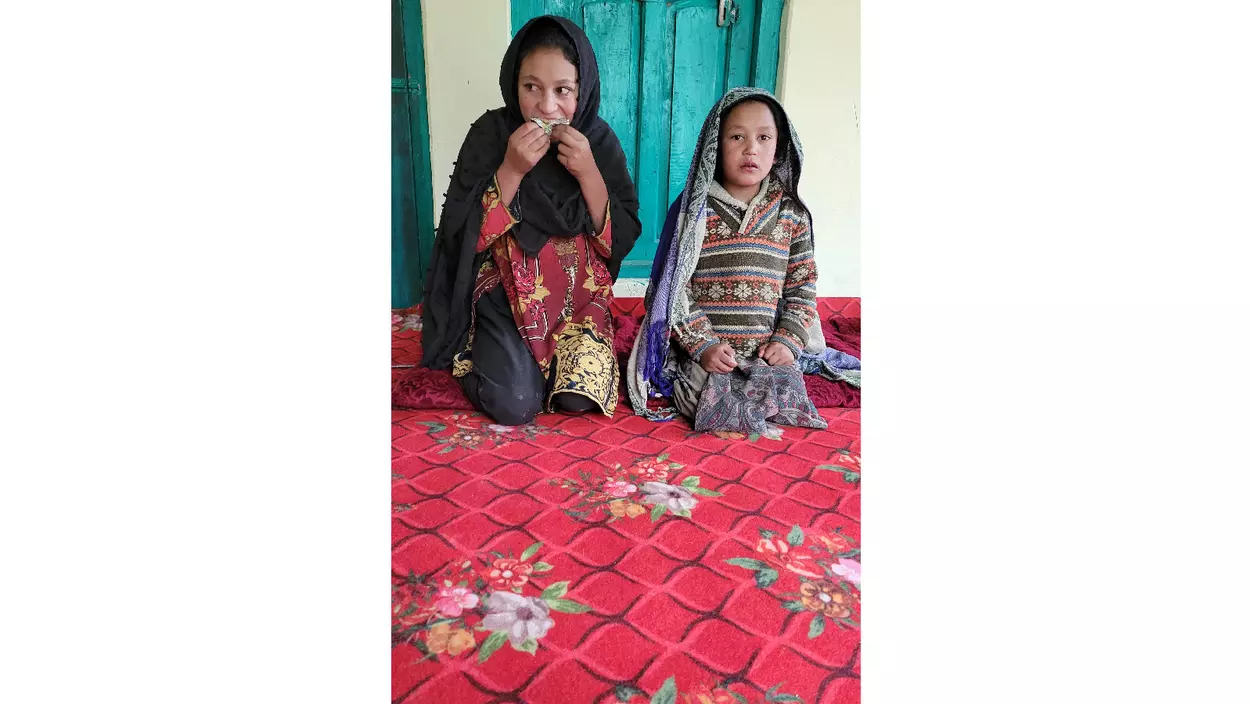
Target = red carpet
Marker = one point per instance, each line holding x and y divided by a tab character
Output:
588	559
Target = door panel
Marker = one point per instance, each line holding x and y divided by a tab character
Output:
699	79
613	28
405	257
412	204
765	31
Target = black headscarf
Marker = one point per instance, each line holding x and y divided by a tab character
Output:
549	198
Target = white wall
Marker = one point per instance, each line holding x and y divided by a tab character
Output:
818	82
465	42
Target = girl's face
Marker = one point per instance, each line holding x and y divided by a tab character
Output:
547	85
749	139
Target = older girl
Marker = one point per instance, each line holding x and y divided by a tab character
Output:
538	216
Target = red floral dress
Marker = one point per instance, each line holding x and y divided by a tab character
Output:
560	300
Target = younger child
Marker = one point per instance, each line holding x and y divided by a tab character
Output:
731	306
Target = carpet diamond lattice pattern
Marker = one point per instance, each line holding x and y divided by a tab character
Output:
592	559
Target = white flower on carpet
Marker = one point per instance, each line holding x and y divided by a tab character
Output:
523	618
675	498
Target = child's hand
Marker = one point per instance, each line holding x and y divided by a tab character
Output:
574	152
527	146
718	359
776	354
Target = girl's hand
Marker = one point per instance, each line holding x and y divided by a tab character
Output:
574	152
718	359
526	147
776	354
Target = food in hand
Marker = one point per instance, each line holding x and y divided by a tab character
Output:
547	125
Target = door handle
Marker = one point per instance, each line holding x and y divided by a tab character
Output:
721	13
722	5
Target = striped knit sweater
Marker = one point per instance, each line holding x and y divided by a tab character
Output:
755	256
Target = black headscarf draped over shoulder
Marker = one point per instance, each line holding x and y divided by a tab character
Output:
549	198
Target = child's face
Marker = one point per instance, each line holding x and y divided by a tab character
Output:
547	85
749	138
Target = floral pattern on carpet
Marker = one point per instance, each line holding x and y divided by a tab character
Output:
446	613
668	618
629	492
828	574
473	431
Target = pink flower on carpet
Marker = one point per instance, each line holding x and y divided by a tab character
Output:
778	554
453	601
396	319
848	569
652	469
619	489
508	573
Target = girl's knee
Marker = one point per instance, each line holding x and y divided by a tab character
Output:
517	408
574	403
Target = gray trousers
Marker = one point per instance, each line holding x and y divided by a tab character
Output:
688	384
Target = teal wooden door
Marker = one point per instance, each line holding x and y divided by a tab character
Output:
663	64
412	205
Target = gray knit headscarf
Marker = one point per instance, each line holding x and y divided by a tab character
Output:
666	302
